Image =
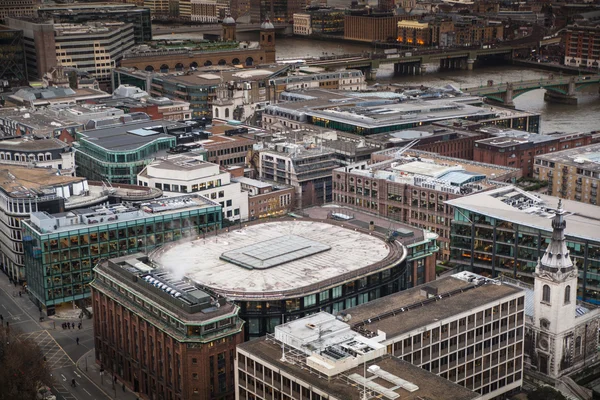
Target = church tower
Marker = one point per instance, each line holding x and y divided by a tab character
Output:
556	281
229	29
267	41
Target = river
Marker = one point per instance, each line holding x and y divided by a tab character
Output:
583	117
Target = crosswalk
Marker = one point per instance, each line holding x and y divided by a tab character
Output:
55	355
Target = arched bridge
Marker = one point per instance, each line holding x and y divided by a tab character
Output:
559	89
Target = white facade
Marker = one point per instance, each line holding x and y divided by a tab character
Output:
302	24
205	11
188	174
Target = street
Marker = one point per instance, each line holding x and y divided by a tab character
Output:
58	345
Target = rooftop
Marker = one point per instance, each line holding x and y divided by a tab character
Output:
403	312
510	137
181	299
393	379
89	28
250	263
131	135
45	223
41	121
584	157
26	144
514	205
216	75
26	182
51	95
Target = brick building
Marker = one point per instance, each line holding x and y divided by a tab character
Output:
518	149
163	337
267	199
582	44
368	28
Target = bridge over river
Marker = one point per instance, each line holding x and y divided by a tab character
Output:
558	89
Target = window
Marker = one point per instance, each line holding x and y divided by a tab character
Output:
546	294
337	292
578	345
310	300
567	294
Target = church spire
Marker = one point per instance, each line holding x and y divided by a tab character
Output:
556	260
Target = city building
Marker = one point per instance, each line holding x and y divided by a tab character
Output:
322	357
39	124
267	199
17	8
62	248
302	24
48	43
227	150
204	11
355	112
190	174
42	153
439	327
307	169
35	98
161	336
118	152
518	149
560	332
371	28
133	99
12	52
572	174
414	33
413	188
75	13
319	22
506	230
282	270
189	55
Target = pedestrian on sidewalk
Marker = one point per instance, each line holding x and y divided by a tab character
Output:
73	382
1	318
73	325
19	293
123	386
77	340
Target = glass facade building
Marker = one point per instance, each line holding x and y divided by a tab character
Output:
485	239
62	249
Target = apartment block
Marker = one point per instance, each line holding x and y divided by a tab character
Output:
572	174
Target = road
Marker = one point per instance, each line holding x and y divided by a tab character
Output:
59	346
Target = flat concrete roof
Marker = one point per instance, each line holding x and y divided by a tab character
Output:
431	386
584	157
583	220
351	251
429	313
19	181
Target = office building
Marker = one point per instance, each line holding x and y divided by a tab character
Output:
355	113
17	8
572	174
43	153
206	11
118	152
190	174
306	168
321	357
504	231
38	124
282	270
319	22
267	199
582	44
35	98
61	249
414	33
26	189
12	52
371	28
48	43
161	336
438	326
518	149
76	13
560	332
413	187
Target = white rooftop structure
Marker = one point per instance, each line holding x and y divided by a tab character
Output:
275	259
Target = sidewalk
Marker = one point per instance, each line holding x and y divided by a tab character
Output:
87	365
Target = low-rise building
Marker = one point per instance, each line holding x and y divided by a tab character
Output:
518	149
413	187
191	174
414	33
267	199
61	249
118	152
302	24
161	336
308	170
39	124
44	97
572	174
17	8
322	357
42	153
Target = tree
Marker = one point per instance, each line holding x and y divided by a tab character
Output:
546	393
23	366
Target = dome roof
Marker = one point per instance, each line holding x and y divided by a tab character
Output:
229	20
267	25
